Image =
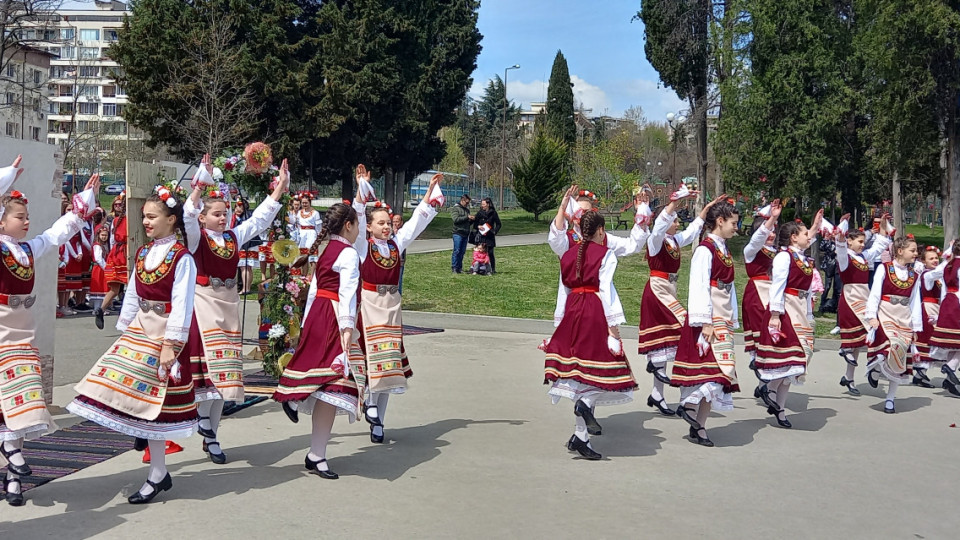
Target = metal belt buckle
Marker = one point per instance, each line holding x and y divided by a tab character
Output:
29	301
899	300
384	289
157	307
672	278
802	294
725	287
15	301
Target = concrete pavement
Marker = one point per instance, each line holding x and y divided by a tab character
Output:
476	450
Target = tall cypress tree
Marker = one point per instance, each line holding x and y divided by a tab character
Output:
560	123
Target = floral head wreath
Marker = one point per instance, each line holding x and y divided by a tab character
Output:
910	236
216	194
121	197
382	205
934	249
586	193
165	195
17	195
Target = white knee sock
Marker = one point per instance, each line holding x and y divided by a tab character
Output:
703	412
9	446
216	413
892	390
774	385
158	465
323	416
14	488
382	399
589	400
96	303
203	410
850	371
581	429
782	394
657	392
954	361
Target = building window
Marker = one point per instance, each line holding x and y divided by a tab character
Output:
65	108
66	33
121	91
51	140
120	108
115	128
68	53
11	98
89	53
65	90
89	108
88	90
109	91
110	34
89	35
109	109
50	35
89	71
35	133
11	70
13	130
86	126
107	146
37	76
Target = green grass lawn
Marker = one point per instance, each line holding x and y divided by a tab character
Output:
514	222
526	284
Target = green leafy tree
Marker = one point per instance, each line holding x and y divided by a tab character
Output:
560	121
454	161
540	176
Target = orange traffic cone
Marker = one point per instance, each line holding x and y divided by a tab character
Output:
170	448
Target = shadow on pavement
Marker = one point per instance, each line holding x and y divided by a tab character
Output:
624	435
902	405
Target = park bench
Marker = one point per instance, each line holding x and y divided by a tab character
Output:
615	217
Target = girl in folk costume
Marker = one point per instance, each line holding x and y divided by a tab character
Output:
661	314
945	340
307	225
326	372
248	251
214	347
116	272
931	291
23	412
705	367
786	341
894	312
98	281
575	203
853	262
585	361
86	266
74	270
139	387
380	323
758	257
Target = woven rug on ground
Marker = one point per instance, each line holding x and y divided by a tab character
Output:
71	449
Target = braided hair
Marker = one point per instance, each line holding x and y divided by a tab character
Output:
336	217
590	223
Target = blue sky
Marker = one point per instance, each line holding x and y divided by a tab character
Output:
604	52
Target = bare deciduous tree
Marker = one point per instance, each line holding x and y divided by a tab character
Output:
221	111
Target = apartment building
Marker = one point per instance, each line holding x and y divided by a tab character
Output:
23	92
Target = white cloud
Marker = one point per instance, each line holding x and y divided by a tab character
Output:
591	96
656	100
527	92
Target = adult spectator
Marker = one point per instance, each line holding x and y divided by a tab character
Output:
489	220
461	230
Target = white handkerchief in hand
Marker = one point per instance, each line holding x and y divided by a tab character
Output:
436	197
871	335
84	203
826	227
844	226
367	193
614	345
680	193
644	215
765	212
7	177
484	228
202	176
703	346
572	212
341	365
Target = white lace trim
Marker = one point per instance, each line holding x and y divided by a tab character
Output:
575	390
143	429
660	357
345	403
206	394
346	321
880	365
711	392
793	373
32	432
616	319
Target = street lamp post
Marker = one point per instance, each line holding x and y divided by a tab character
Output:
503	130
671	118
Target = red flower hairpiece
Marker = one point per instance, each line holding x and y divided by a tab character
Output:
346	202
798	220
587	193
385	206
17	195
910	237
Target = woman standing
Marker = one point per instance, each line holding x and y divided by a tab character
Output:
786	341
487	224
661	313
138	387
895	314
758	258
321	378
116	272
23	412
585	360
308	223
214	348
705	367
381	306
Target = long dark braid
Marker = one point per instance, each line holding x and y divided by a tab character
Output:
336	217
590	223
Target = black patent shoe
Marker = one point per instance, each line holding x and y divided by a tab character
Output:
98	318
163	485
656	373
848	358
756	392
570	447
218	458
660	406
918	381
851	387
583	448
872	379
951	375
204	432
139	444
950	387
19	470
311	466
888	407
753	368
372	420
580	409
684	412
765	396
374	438
291	413
921	373
776	412
702	441
13	499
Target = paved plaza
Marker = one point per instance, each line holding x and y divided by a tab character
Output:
476	450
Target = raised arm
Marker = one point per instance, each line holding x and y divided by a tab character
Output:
70	223
265	211
422	216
